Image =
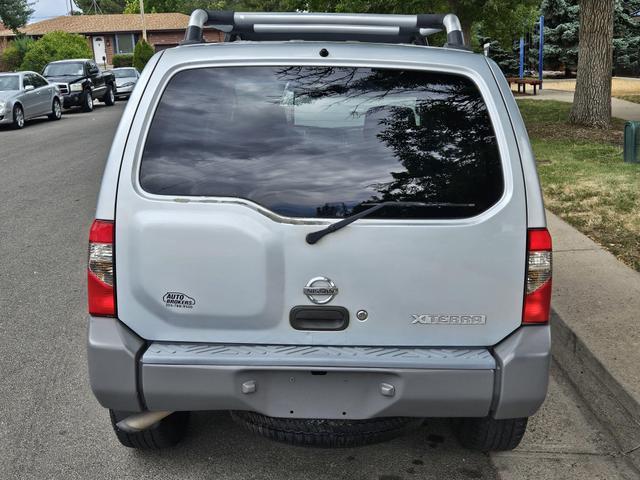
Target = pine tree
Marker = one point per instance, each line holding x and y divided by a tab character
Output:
562	34
561	27
626	41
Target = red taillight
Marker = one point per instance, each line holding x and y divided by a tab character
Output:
102	301
537	299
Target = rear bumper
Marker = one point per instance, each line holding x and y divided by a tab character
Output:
507	381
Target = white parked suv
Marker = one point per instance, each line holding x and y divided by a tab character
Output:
328	228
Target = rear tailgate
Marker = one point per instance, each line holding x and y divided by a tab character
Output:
210	231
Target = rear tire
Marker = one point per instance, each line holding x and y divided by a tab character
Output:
109	98
325	432
56	110
488	434
165	433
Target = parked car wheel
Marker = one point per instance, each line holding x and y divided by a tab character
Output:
87	101
318	432
165	433
56	110
18	117
109	97
488	434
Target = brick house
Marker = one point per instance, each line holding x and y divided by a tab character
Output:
117	33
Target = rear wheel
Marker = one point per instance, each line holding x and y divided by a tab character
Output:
109	97
325	432
18	117
488	434
165	433
56	110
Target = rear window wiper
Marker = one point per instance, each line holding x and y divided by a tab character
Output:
314	237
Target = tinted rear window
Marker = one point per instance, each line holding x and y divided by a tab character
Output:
325	141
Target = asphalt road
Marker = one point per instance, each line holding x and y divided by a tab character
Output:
51	427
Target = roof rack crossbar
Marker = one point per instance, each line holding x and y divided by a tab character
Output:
345	24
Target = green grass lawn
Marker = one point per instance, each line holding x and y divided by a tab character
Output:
584	178
629	98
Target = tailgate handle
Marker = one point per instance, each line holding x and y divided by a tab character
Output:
319	318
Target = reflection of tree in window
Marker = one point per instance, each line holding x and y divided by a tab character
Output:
449	155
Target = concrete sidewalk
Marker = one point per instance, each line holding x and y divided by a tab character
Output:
596	330
619	108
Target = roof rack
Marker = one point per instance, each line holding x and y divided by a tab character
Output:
325	26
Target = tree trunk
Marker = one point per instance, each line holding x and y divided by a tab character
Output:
592	101
466	31
464	15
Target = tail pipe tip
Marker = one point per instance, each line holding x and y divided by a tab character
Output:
141	421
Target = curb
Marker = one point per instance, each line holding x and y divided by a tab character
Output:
614	406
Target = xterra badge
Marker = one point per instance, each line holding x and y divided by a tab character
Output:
429	319
178	300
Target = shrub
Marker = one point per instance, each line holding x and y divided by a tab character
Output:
141	54
123	60
13	55
55	46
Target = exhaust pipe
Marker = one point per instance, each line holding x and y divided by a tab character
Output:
141	421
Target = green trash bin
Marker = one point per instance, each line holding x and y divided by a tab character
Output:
632	142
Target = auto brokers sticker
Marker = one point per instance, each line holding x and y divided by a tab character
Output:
178	300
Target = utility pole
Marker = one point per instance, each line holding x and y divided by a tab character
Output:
144	26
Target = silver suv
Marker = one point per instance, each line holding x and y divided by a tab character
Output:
325	226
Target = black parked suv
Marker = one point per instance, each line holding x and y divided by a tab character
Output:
81	82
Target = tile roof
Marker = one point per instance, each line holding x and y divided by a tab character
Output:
104	24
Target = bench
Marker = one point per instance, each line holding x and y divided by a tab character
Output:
523	82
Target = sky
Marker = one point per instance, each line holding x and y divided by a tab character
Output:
49	8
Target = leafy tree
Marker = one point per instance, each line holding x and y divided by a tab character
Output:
501	19
13	55
133	6
15	13
182	6
104	6
141	54
55	46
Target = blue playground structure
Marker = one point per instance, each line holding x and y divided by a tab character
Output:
540	27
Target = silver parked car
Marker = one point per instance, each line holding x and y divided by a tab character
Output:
26	95
331	238
126	79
